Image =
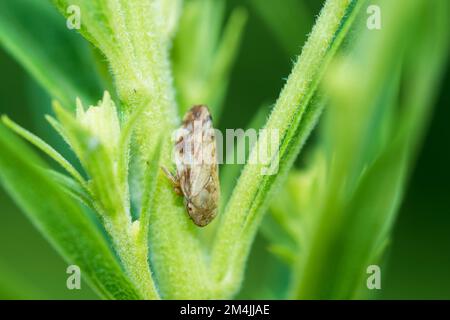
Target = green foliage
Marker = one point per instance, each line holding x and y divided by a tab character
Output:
346	206
59	60
61	219
293	119
338	210
203	57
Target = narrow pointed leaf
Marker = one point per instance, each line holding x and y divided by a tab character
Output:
60	219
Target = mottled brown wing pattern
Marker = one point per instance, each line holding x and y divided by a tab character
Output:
197	170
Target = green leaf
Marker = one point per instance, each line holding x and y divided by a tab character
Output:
372	137
98	163
60	219
34	34
98	153
133	36
293	117
370	216
73	188
44	147
203	54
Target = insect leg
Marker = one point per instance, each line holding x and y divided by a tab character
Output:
173	179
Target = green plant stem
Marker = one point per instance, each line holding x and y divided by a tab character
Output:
294	118
135	36
133	254
61	219
364	189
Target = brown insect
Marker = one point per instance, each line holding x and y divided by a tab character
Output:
197	177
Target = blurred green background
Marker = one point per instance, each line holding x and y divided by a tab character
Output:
418	259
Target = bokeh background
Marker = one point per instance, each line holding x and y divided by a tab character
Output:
418	259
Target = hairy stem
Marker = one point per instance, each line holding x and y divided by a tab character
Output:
293	118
